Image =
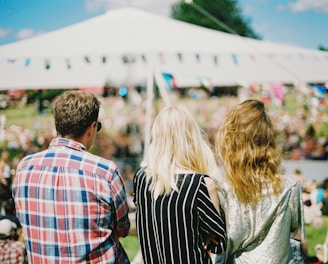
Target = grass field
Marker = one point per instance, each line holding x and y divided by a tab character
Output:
315	235
131	245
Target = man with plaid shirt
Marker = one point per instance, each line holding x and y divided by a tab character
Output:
72	204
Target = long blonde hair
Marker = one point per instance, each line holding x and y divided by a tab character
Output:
176	142
247	146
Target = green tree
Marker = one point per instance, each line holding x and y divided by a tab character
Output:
321	47
222	15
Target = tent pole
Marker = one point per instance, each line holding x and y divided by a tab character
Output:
149	106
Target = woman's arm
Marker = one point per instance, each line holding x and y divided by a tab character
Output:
212	222
213	192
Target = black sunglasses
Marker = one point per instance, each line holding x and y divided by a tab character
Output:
99	126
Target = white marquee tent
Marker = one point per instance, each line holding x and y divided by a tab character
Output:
126	46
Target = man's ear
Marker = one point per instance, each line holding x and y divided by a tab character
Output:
91	128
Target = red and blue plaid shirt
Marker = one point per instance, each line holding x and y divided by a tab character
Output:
72	206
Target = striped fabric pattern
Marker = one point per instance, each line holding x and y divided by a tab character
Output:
72	206
171	228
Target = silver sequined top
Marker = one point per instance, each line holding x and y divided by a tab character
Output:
261	234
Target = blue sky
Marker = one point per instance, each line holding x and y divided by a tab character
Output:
297	22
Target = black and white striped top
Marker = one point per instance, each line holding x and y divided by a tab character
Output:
172	228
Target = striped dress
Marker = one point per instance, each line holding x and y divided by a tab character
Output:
172	228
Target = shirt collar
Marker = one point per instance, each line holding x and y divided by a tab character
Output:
59	142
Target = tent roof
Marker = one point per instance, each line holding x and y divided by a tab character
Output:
131	30
149	41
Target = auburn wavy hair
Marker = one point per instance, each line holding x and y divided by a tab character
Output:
246	144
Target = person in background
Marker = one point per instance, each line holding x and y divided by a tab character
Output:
300	177
72	204
264	209
10	211
178	216
324	203
5	179
11	250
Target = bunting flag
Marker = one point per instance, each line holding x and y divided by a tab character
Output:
205	82
161	58
123	91
128	59
27	62
144	58
170	81
68	64
180	57
216	60
197	57
278	90
11	60
125	59
47	66
87	59
235	58
319	90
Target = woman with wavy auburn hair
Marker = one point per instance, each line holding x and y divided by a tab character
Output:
263	208
178	217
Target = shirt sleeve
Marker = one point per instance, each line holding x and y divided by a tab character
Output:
297	207
212	223
121	208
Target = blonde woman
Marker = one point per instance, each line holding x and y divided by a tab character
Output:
177	221
263	208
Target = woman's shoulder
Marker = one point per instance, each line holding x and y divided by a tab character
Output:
289	181
191	177
197	176
210	183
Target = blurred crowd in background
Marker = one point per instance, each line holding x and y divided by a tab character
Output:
303	134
